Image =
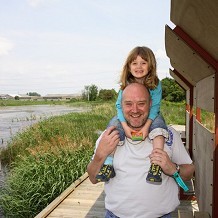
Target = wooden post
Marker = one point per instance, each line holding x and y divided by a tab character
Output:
215	157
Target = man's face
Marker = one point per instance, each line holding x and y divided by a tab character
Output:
136	106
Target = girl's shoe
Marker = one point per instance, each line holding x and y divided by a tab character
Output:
106	172
154	174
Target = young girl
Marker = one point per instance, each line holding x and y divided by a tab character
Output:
140	67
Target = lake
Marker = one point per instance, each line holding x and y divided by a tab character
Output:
15	119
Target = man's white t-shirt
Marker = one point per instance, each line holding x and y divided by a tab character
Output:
129	195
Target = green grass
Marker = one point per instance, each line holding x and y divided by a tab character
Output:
38	179
173	113
46	158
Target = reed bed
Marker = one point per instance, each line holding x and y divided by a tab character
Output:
46	158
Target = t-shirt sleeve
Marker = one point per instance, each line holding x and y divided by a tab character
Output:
179	153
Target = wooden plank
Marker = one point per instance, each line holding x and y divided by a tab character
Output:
87	200
201	214
187	121
203	148
205	93
78	214
187	205
60	198
184	59
185	214
198	19
181	83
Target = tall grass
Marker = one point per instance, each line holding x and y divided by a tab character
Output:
46	158
173	113
208	120
37	179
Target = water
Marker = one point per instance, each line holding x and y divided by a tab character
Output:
15	119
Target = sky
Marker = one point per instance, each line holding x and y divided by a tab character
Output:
61	46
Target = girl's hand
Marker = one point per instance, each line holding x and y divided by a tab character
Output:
128	131
144	131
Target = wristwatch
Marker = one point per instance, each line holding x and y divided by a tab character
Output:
177	168
179	180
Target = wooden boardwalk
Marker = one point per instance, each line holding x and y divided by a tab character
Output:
85	200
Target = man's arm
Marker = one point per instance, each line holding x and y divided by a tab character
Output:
161	158
185	171
94	167
107	144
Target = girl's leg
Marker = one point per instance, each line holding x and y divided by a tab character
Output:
154	174
158	133
107	171
115	122
158	142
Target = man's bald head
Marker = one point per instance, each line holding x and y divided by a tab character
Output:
136	88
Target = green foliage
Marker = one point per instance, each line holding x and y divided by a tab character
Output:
90	93
173	112
172	91
16	97
107	94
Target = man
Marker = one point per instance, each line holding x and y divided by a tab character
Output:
128	194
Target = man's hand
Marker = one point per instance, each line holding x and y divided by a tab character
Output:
107	144
162	159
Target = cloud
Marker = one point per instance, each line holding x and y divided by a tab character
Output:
5	46
34	3
160	54
38	3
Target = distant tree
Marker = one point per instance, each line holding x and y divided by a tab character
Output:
107	94
33	94
17	97
172	91
90	93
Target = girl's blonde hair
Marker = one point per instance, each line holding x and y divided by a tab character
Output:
151	80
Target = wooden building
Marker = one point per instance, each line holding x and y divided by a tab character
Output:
192	47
